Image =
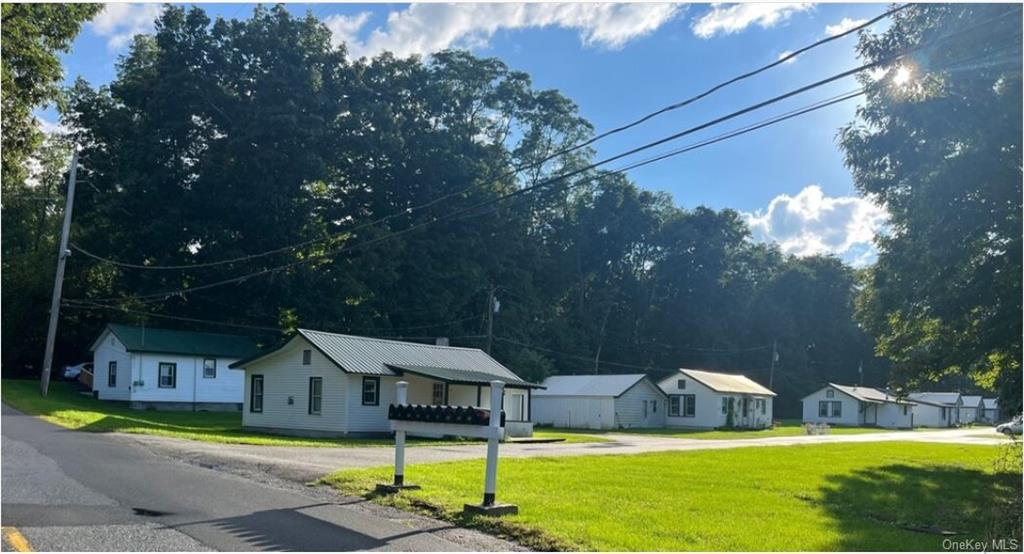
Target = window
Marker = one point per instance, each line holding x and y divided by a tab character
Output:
761	405
645	409
943	413
316	390
673	405
307	357
256	394
654	406
112	374
168	378
837	409
725	404
689	405
830	393
904	410
371	391
209	368
437	395
681	384
823	408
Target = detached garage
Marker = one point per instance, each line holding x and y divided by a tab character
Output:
599	402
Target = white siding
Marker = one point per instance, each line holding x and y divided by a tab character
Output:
285	377
895	416
926	415
575	412
851	414
110	349
190	385
708	412
630	409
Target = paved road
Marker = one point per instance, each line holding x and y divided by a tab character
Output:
303	464
70	491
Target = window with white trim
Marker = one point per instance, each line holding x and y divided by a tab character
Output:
256	394
209	368
112	374
371	391
167	375
437	394
316	391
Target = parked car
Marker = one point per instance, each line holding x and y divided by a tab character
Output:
1012	427
72	372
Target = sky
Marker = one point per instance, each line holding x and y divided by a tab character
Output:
621	61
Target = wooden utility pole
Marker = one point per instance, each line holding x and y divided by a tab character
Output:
491	308
58	280
775	358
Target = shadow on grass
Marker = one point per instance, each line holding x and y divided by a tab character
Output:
904	507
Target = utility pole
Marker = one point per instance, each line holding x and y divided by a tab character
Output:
492	308
860	372
775	358
58	280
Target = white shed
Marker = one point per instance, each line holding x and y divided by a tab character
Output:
990	410
936	409
599	402
169	369
856	406
326	384
706	399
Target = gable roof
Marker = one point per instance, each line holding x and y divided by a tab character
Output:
372	356
935	398
866	394
726	382
990	403
971	401
171	341
590	385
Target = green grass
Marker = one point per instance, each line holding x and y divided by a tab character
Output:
66	407
852	496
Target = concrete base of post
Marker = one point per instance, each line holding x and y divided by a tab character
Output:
492	510
383	488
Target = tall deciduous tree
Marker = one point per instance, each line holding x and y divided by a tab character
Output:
938	144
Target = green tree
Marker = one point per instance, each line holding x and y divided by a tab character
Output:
31	73
938	144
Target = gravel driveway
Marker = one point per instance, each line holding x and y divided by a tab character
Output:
305	464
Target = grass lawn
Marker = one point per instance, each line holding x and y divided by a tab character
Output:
787	428
66	407
871	496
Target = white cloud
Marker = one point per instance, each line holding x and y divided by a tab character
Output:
811	223
733	18
787	53
845	25
428	28
118	23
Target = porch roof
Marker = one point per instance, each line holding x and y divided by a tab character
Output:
459	376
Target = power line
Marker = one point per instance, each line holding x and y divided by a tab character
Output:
546	182
511	173
589	359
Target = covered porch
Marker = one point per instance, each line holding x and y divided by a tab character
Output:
455	387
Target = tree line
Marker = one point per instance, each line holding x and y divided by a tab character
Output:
220	139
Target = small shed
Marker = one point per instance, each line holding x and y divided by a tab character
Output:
599	402
990	410
971	411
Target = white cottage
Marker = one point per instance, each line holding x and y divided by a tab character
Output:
936	409
971	411
856	406
599	402
710	400
169	369
326	384
990	410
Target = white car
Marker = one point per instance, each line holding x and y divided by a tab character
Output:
73	371
1012	427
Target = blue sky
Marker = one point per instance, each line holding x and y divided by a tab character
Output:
618	62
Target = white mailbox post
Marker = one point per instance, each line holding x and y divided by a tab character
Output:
457	421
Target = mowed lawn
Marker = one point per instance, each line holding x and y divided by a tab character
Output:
67	407
871	496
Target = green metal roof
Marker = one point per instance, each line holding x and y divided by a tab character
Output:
193	343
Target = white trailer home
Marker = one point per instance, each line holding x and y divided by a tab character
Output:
971	411
705	399
936	409
326	384
599	402
855	406
169	369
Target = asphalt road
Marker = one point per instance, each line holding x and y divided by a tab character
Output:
70	491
